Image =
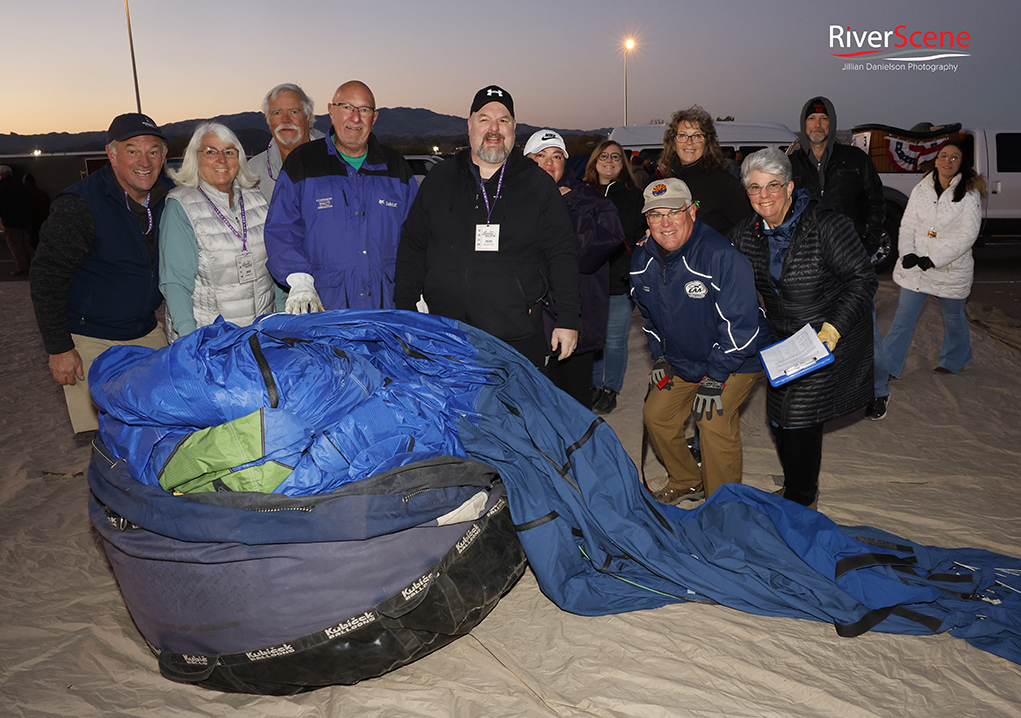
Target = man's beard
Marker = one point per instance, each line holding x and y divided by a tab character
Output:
281	141
493	154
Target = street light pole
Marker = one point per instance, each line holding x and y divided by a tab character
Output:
628	45
134	70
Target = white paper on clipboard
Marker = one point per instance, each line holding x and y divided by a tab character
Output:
795	356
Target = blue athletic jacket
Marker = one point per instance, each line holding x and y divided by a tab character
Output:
700	306
340	225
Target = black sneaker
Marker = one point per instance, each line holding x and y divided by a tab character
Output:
876	409
606	402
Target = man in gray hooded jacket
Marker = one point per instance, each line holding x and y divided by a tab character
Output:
846	179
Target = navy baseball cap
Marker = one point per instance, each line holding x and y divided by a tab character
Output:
133	124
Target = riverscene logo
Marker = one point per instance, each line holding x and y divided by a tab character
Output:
902	48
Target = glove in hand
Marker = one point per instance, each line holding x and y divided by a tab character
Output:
662	374
303	298
909	260
709	394
925	263
829	335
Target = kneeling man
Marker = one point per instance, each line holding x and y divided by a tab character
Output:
704	326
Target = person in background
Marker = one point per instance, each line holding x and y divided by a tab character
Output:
40	206
704	327
16	217
610	173
940	224
847	179
289	113
487	237
598	233
335	217
96	273
810	268
692	154
212	253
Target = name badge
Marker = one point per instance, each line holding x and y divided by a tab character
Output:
246	267
487	238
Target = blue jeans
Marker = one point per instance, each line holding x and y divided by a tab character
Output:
956	351
609	370
880	370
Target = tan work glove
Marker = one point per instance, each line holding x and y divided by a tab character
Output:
829	336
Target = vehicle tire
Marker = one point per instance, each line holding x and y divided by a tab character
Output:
891	226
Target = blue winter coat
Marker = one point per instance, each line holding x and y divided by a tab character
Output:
340	225
700	306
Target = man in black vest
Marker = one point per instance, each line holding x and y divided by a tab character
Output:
95	278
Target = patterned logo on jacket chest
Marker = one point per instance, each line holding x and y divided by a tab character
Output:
696	290
324	202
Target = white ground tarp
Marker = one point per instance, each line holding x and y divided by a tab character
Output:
941	469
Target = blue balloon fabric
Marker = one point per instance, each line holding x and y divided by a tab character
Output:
353	393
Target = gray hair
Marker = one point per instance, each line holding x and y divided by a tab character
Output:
5	170
188	175
770	161
306	101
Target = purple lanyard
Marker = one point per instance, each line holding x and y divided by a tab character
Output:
244	222
269	170
148	211
499	184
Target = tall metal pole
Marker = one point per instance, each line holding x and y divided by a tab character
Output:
134	70
628	44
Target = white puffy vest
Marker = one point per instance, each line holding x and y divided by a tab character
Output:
217	289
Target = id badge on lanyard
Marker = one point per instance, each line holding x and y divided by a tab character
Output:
487	238
246	267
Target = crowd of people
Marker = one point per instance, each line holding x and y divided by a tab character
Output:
514	243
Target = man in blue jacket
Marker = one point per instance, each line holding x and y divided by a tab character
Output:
95	277
703	323
336	214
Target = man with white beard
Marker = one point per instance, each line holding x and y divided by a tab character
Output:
487	236
290	114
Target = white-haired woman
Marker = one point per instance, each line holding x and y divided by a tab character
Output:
212	253
810	268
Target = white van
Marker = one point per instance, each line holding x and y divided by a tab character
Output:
744	137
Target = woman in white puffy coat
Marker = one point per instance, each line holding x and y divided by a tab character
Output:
939	227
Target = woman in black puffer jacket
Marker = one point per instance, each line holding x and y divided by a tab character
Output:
810	268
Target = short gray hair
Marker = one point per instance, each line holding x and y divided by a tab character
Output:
771	161
188	175
306	101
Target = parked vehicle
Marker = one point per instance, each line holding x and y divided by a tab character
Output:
904	156
421	164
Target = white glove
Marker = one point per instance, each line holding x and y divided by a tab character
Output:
303	298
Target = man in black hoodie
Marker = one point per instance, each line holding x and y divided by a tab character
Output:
844	177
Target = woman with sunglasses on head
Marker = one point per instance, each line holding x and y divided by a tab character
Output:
692	154
212	253
610	173
810	268
940	224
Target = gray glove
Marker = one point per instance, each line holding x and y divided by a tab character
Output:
710	394
662	374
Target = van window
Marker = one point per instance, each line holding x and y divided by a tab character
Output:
1008	152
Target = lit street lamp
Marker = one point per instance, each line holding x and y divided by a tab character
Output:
628	46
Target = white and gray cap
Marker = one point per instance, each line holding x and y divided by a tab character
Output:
543	139
669	193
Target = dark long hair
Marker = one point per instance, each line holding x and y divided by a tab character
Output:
970	180
625	175
712	156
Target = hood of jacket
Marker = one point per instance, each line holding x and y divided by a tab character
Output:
831	139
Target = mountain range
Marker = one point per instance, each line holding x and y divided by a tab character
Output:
396	125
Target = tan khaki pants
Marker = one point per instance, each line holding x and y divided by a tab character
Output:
665	413
83	412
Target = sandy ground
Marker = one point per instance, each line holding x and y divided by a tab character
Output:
940	469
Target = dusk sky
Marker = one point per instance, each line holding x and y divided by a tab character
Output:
67	65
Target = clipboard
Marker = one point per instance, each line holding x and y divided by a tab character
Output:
797	355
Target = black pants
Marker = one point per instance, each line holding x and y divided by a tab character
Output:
800	452
574	376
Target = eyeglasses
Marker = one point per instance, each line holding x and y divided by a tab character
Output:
228	154
657	217
773	187
948	158
695	137
346	107
611	156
